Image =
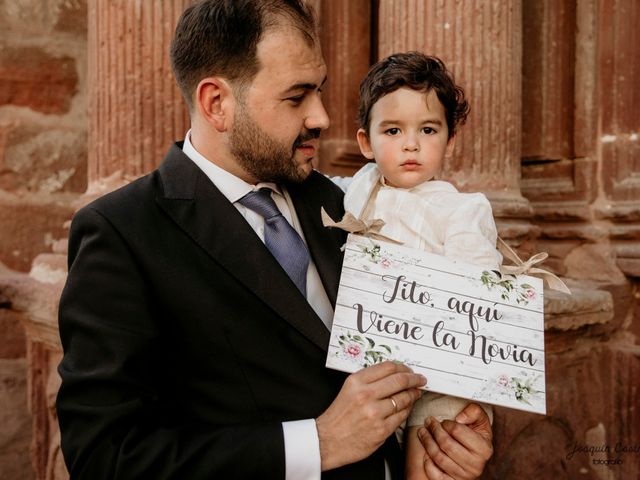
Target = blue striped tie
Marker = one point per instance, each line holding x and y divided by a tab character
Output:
280	238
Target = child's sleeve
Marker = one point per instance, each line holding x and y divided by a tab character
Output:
441	407
471	233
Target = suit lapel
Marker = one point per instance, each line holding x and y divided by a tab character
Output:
206	215
324	243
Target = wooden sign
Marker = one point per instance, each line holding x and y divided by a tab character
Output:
474	333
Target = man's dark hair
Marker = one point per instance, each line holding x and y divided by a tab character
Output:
417	71
220	37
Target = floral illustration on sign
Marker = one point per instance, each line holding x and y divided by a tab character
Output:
374	255
524	293
362	350
522	390
373	252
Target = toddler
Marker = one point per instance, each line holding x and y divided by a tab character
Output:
409	110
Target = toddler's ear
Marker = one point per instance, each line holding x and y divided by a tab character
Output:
364	144
451	143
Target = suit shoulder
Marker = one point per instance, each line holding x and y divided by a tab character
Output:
321	183
128	199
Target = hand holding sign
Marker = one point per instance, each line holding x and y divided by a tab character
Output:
370	406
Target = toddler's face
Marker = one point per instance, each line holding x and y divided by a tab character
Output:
408	137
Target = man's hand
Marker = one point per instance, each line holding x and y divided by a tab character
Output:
363	414
457	449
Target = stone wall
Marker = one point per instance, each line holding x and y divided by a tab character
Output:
43	169
43	122
15	435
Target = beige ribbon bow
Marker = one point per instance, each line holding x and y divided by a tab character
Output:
351	224
528	268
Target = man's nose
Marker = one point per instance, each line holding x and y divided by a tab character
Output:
317	117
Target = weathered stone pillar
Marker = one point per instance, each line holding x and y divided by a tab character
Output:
559	123
580	142
346	44
580	173
480	41
135	113
619	140
135	108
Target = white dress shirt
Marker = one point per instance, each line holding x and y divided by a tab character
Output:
301	445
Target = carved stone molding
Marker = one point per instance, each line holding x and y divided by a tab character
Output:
562	190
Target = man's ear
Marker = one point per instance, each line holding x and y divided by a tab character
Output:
214	101
451	143
364	144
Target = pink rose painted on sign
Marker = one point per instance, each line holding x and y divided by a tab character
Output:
362	350
353	350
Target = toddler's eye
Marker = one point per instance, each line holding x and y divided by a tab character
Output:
392	131
428	130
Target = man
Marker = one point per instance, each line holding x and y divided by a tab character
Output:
195	319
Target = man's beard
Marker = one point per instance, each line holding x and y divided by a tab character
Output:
262	156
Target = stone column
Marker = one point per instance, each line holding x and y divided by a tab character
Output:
618	98
559	166
135	113
580	174
135	109
345	33
480	41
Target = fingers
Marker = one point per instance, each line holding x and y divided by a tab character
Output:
440	449
477	419
401	401
451	456
432	470
471	413
363	414
473	441
387	379
393	421
381	370
399	382
395	405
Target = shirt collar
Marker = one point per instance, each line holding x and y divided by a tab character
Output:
232	187
424	187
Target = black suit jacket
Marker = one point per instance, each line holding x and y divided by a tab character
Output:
185	343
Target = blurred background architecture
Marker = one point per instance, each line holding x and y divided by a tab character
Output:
88	102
